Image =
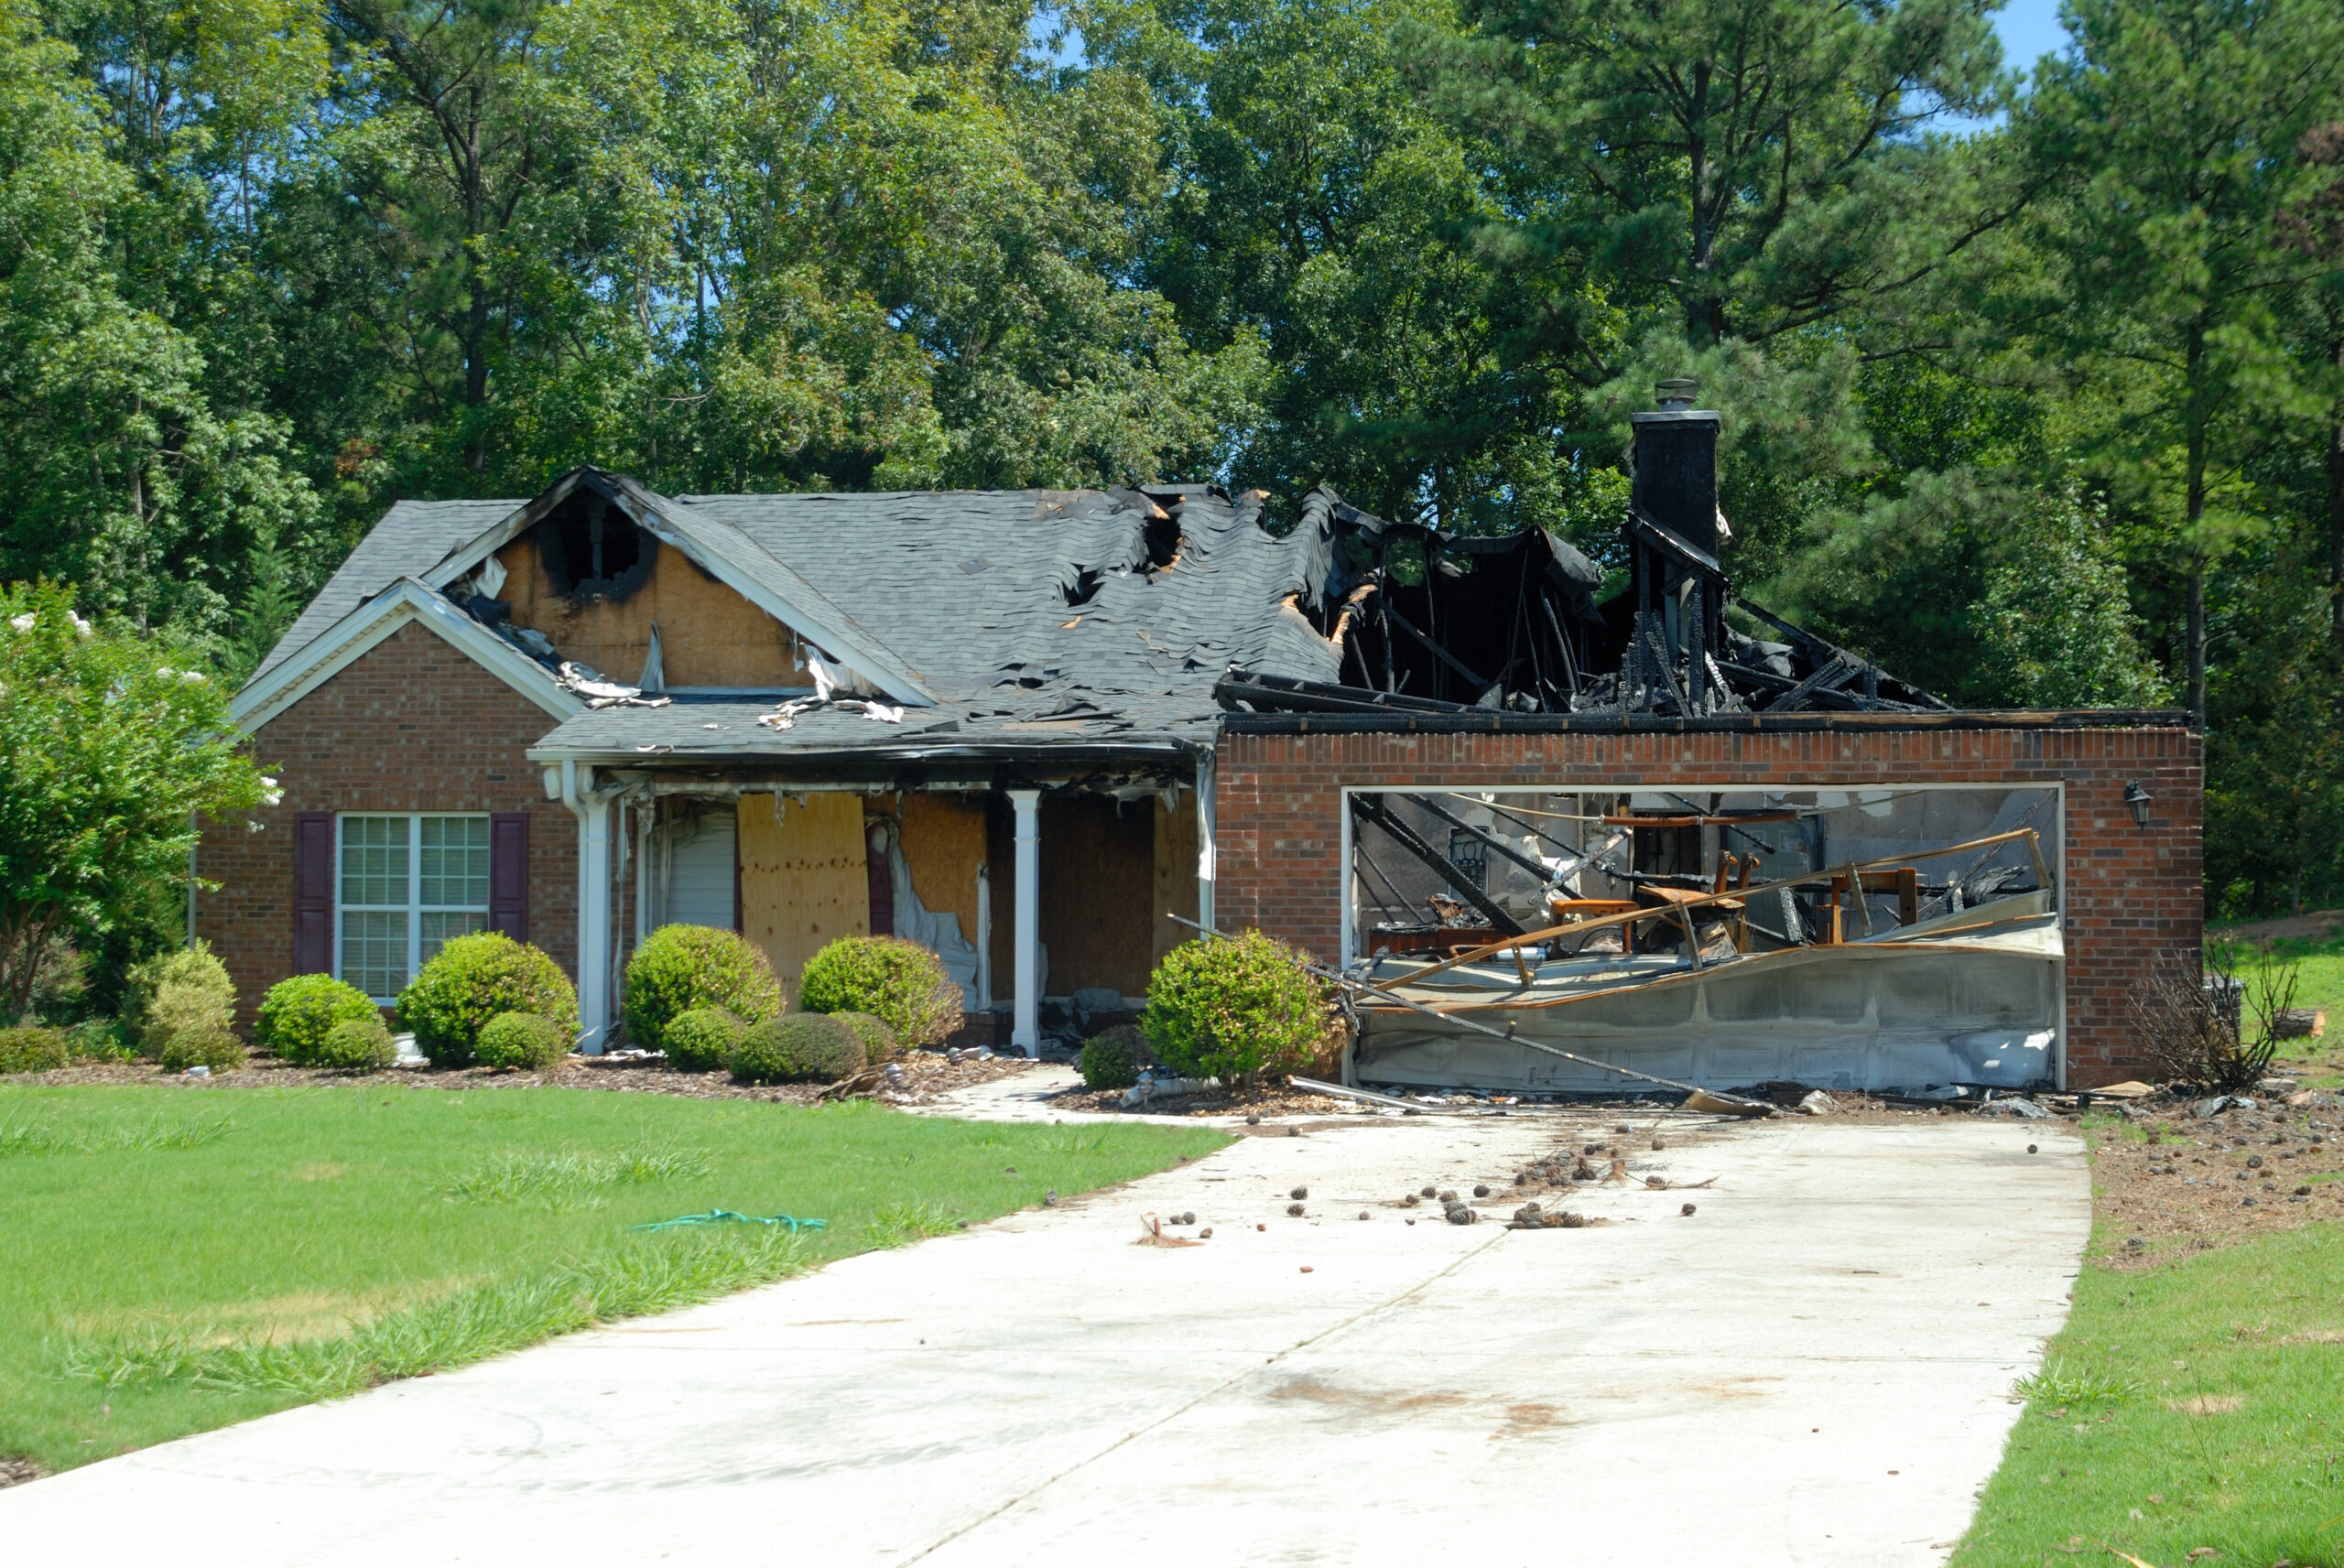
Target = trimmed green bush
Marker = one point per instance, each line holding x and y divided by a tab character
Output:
1235	1008
1111	1059
177	991
804	1047
879	1042
520	1039
34	1048
701	1041
470	981
900	983
681	968
362	1044
297	1014
218	1049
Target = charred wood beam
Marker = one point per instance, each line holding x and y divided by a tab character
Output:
1831	676
1426	803
1289	693
1400	833
1438	652
1656	652
1819	649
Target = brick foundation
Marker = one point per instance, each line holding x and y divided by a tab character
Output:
413	725
2128	893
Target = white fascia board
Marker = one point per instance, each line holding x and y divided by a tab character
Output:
365	628
650	512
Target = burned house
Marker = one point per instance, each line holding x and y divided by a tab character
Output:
1038	730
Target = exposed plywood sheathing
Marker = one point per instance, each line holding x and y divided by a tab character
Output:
944	843
708	635
1176	873
1097	881
803	882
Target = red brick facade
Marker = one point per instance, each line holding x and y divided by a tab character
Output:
2127	893
412	725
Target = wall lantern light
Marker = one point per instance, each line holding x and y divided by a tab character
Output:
2136	800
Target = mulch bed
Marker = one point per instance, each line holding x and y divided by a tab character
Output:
2213	1182
927	1073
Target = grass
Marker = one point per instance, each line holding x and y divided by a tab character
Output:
2319	982
2194	1405
182	1258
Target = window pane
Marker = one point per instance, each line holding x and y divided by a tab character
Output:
374	860
438	924
455	863
374	950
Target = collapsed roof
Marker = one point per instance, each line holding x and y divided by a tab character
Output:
1107	624
1425	621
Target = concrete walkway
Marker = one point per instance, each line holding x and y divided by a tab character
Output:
1812	1369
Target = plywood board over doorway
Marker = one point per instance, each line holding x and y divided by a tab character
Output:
1098	880
1176	872
944	843
803	882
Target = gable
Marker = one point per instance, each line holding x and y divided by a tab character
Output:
710	636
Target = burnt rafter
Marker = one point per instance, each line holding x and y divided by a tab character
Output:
1456	623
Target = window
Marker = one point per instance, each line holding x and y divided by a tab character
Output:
408	884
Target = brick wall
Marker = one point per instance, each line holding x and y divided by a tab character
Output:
413	725
2128	894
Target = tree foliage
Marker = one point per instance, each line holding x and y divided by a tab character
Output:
110	748
2034	381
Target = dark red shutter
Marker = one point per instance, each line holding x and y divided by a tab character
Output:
313	892
509	873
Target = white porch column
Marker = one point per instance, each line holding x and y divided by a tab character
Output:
1205	870
594	813
1025	1005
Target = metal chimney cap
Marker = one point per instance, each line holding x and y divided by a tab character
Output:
1676	392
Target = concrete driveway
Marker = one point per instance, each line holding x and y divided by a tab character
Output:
1812	1369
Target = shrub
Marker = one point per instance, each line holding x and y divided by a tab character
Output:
218	1049
1235	1008
701	1041
178	990
470	981
1111	1059
898	982
33	1048
879	1042
680	969
520	1039
362	1044
296	1015
807	1046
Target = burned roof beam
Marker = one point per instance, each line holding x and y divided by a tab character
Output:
1400	833
1444	656
1830	677
1821	649
1426	803
1267	693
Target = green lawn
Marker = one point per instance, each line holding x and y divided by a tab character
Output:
181	1258
2196	1404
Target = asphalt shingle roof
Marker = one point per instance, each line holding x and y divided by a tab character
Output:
1033	616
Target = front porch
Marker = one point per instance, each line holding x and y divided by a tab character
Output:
1047	891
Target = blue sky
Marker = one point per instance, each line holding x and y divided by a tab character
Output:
2029	28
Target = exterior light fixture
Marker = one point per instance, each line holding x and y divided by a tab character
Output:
2136	801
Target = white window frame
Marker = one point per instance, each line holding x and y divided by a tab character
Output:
415	909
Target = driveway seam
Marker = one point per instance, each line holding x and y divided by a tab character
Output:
1362	1315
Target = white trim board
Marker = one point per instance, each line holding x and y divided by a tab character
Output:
359	633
